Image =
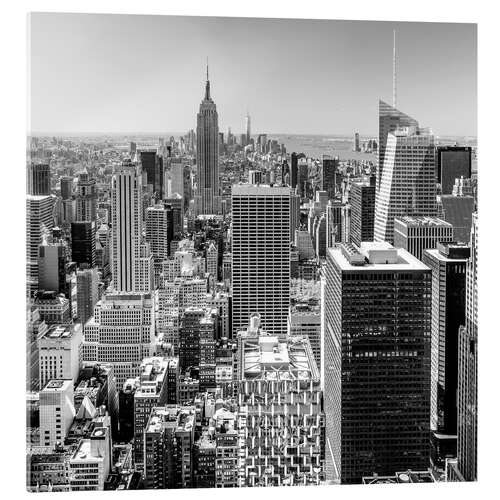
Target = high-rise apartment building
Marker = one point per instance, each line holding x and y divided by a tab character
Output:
38	177
121	333
168	447
362	201
408	182
376	361
261	255
448	262
207	199
419	233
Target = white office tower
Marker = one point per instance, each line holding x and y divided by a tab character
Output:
39	222
261	256
90	464
211	260
132	264
176	184
280	419
408	180
121	333
157	235
60	353
57	411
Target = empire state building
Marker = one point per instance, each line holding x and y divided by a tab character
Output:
207	199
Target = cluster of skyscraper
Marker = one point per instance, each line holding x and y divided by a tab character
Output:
295	322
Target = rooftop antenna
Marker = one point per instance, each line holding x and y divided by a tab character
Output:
207	66
394	70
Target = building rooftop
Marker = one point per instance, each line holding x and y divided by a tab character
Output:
180	417
57	385
402	477
374	256
421	220
269	358
261	190
62	332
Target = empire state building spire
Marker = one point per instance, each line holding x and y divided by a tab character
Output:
207	86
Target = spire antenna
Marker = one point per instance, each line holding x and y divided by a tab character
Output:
207	69
394	70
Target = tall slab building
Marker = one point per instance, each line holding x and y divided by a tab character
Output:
207	199
376	361
261	256
132	263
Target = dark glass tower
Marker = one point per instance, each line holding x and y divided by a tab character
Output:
39	179
83	243
452	162
377	361
362	200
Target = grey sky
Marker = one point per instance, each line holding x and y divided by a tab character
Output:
119	73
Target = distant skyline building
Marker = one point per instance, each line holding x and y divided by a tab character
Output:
38	179
261	256
39	223
86	198
248	128
207	200
408	182
377	361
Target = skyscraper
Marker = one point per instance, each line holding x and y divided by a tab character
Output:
448	263
452	162
152	166
248	128
376	361
38	179
83	236
39	223
66	187
328	173
130	257
52	267
362	200
207	199
86	199
467	369
87	288
408	183
389	119
261	255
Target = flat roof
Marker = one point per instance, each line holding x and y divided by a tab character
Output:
261	190
405	261
421	220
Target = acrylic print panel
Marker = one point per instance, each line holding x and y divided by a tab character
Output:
251	252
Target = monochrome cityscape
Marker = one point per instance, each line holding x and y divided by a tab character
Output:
217	309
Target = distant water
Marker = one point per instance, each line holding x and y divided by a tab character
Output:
315	146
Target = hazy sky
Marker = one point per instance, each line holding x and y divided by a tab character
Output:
134	74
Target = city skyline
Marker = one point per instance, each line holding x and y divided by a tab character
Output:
333	91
